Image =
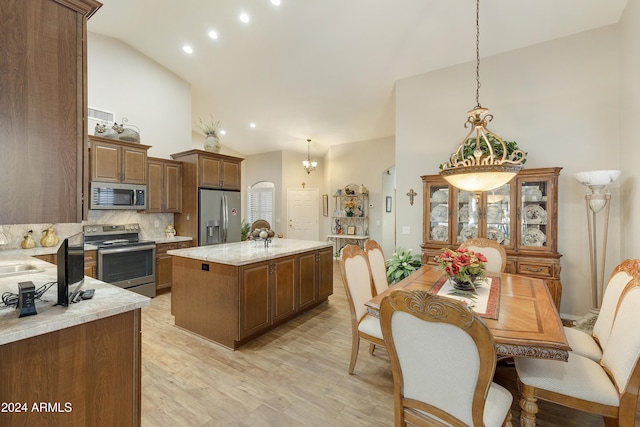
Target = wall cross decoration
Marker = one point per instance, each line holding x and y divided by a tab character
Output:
411	195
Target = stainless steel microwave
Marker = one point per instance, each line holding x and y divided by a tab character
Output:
110	195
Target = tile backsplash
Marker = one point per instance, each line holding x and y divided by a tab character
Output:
152	226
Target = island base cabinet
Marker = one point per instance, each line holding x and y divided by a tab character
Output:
204	299
316	277
85	375
232	305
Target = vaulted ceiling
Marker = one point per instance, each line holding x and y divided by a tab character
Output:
326	69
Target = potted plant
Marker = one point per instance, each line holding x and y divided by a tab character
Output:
211	131
401	264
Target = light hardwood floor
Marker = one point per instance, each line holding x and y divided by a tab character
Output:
295	375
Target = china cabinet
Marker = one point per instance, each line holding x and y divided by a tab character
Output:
521	215
350	219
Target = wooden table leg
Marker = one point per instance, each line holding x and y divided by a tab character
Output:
528	405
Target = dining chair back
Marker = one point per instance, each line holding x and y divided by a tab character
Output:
494	251
356	276
609	388
378	266
443	359
590	345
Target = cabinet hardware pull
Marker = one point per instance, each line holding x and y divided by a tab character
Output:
535	271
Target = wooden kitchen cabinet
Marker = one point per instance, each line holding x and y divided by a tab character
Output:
90	260
43	103
223	173
164	190
117	161
164	269
267	294
207	170
316	277
522	215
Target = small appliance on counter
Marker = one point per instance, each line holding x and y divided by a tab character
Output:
123	259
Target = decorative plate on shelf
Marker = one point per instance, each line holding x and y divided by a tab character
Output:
535	214
463	214
440	196
440	213
534	237
495	234
440	233
494	214
468	233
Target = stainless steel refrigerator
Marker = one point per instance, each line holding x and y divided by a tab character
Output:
219	218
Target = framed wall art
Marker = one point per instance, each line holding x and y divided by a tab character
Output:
351	230
325	205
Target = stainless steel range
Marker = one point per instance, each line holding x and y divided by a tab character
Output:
123	259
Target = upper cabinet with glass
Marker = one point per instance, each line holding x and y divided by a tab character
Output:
521	215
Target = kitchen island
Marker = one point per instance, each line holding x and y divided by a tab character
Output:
69	366
234	292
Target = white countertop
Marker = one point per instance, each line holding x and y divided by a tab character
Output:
249	252
108	300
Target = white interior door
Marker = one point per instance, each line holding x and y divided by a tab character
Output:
302	213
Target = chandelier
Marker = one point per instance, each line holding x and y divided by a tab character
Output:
483	161
307	164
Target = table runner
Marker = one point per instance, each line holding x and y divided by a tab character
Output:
487	302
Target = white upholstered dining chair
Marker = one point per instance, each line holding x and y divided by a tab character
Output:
377	263
356	277
590	345
443	358
494	251
608	387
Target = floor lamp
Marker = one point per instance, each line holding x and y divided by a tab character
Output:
596	199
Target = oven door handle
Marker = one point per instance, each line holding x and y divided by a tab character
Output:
126	249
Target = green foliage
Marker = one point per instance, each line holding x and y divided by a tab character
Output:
470	146
244	230
401	265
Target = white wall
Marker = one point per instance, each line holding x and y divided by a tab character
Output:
124	81
629	29
558	100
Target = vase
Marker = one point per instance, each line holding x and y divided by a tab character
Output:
212	143
464	285
349	213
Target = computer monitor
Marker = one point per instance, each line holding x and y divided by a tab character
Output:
70	268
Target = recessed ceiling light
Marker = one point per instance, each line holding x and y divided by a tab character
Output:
244	18
213	34
275	2
223	132
187	48
252	125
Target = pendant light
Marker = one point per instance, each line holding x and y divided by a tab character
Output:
308	164
483	161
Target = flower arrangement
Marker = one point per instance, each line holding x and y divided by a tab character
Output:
401	264
462	266
209	128
349	207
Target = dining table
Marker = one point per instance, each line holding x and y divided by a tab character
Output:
525	321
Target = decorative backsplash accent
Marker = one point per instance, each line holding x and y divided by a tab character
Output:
15	233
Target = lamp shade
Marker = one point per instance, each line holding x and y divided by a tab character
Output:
597	178
480	178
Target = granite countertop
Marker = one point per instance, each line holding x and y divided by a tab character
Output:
249	252
109	300
174	239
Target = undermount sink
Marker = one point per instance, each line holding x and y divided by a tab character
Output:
18	269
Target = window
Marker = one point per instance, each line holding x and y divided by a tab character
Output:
261	201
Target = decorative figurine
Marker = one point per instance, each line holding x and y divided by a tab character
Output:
49	239
28	241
